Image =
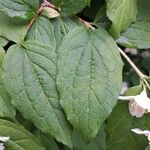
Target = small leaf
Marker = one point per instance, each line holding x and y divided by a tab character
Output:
137	35
135	90
22	9
30	72
50	12
122	13
89	77
20	139
70	7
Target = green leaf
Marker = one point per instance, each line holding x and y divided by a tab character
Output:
135	90
3	41
6	109
20	138
120	123
70	7
51	32
122	13
42	30
12	30
34	93
137	35
22	9
89	76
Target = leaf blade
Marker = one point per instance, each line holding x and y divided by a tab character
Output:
122	14
22	9
76	82
11	30
70	7
137	35
20	138
6	109
34	93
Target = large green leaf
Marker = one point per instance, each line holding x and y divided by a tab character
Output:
13	31
137	35
89	77
122	13
120	123
70	7
30	72
51	32
20	139
23	9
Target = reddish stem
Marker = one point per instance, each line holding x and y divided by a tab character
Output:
48	4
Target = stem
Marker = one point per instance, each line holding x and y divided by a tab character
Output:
126	98
45	3
48	4
87	24
141	75
147	84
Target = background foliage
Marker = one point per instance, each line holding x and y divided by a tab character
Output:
61	73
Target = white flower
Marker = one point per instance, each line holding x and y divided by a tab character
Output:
124	87
139	104
2	146
4	139
144	132
132	51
